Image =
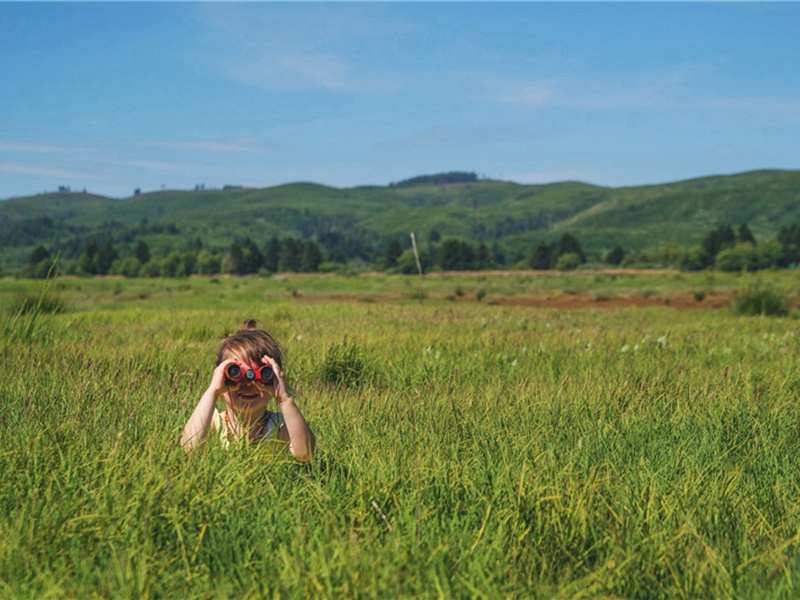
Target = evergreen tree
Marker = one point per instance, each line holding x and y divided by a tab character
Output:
88	259
455	255
38	255
252	259
142	252
336	255
290	259
106	255
497	255
745	235
615	256
566	244
719	239
312	257
272	255
540	257
482	259
234	259
393	252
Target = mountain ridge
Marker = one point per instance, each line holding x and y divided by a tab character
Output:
514	216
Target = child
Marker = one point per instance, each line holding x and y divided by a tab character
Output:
248	375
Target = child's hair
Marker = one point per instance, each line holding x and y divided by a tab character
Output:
252	342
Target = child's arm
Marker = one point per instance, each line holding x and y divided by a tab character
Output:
196	429
302	443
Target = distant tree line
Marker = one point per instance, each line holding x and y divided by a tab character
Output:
438	179
725	249
292	255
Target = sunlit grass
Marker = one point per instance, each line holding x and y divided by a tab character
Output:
484	450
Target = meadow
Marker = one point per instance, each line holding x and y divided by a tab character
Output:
473	442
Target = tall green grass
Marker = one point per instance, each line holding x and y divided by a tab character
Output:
492	451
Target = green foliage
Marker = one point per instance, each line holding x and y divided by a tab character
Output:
454	177
568	261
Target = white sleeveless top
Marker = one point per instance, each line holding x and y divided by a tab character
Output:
274	423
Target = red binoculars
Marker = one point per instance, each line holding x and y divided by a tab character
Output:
236	373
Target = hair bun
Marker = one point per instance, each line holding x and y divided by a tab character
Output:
249	325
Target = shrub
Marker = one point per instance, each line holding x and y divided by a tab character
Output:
759	299
568	262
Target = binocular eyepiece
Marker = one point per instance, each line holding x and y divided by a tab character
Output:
237	373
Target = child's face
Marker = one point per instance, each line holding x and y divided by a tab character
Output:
248	396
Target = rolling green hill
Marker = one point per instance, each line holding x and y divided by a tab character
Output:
513	215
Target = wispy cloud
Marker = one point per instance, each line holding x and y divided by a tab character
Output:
672	86
297	47
237	145
449	135
21	146
39	170
527	93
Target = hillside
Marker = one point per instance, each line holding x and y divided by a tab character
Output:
513	215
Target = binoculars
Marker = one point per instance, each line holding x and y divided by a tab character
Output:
236	373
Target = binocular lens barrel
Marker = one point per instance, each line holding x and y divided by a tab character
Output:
235	373
265	374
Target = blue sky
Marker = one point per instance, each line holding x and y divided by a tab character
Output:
116	96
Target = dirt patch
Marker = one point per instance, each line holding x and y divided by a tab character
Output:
558	299
676	300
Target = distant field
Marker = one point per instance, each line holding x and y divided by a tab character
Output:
585	435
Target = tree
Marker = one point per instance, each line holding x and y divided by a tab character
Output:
172	265
38	255
455	255
482	259
142	252
615	256
741	257
540	257
497	254
694	259
106	256
208	263
336	255
566	244
272	255
290	259
393	252
129	267
312	257
39	263
87	262
234	259
719	239
251	259
745	235
569	261
407	263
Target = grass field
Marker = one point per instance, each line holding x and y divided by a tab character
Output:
471	442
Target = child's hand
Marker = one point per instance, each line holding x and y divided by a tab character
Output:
218	378
280	383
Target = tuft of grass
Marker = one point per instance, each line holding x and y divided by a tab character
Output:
27	314
758	299
345	365
36	304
